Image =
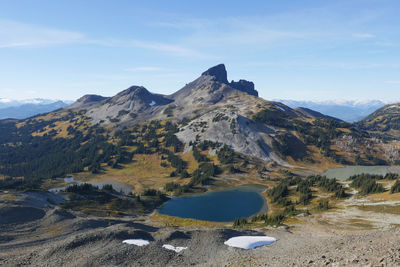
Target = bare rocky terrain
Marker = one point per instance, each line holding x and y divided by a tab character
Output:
44	235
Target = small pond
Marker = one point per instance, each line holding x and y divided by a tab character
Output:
218	206
119	187
346	172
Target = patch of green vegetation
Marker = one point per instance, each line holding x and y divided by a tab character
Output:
169	111
395	188
220	117
237	223
289	145
323	205
114	120
122	113
275	219
226	155
274	117
278	194
27	160
198	156
366	183
203	174
107	202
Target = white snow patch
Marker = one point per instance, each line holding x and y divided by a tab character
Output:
281	108
137	242
176	249
249	242
152	103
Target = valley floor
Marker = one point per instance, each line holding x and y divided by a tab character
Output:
55	237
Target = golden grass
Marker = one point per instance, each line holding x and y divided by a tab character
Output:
192	164
53	183
359	223
385	196
166	220
8	197
144	172
392	209
321	163
61	128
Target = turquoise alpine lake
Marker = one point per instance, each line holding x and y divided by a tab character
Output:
218	206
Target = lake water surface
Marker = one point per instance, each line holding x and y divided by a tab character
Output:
218	206
119	187
346	172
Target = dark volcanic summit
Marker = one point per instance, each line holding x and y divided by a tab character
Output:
219	72
220	75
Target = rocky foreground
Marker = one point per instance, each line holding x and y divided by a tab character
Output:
47	236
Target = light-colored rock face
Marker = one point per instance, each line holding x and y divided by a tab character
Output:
215	110
228	127
132	105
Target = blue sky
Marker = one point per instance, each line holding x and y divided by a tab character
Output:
304	50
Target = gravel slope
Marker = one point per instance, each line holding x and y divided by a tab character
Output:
63	239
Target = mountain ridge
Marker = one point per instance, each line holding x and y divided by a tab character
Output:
346	110
208	121
26	110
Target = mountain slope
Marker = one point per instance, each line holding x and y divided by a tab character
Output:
207	127
384	121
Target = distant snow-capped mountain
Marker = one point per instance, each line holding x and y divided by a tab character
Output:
21	109
347	110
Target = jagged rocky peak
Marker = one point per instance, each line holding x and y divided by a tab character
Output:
218	72
244	86
91	98
220	75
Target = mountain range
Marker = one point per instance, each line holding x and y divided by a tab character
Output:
210	119
21	109
350	111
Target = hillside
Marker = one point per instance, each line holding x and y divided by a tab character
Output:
384	121
209	128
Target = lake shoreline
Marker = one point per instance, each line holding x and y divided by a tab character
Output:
178	206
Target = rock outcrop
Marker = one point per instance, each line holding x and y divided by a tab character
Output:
244	86
218	72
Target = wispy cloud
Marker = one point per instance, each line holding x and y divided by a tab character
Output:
15	34
144	69
177	50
